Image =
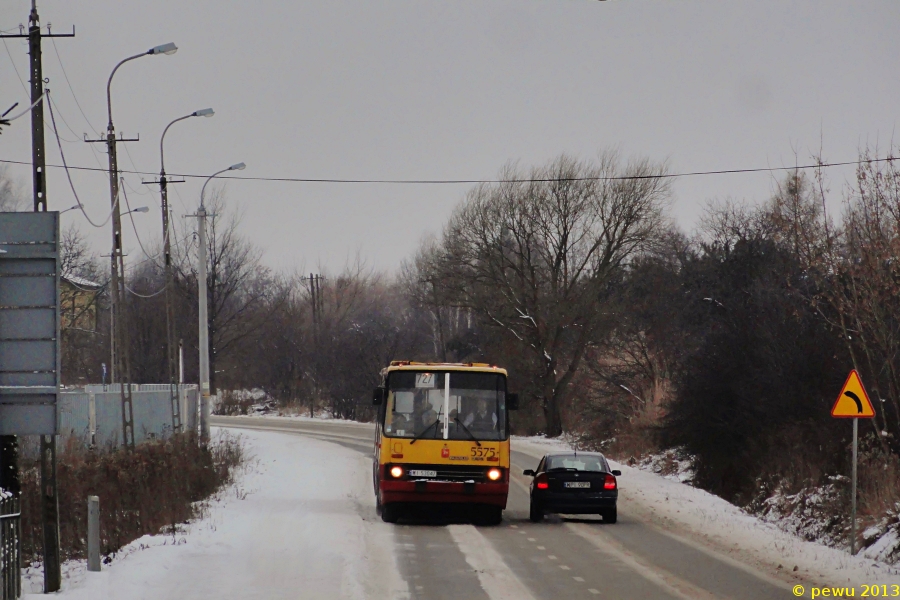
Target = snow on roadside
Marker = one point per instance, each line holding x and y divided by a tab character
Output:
710	521
288	527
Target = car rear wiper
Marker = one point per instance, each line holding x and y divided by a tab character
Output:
423	432
471	435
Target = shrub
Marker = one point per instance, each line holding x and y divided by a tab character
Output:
148	491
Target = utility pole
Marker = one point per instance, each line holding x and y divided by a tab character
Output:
203	324
119	359
120	365
315	297
170	279
9	477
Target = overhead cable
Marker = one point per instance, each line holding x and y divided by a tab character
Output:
823	165
69	176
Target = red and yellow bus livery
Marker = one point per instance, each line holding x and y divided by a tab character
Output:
442	436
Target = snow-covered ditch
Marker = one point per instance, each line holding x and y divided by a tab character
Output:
656	491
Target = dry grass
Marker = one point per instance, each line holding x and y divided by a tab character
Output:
148	491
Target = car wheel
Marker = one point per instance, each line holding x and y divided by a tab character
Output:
390	513
610	515
535	513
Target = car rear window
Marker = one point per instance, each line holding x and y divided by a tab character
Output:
578	462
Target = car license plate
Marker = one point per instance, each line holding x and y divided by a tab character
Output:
420	473
578	484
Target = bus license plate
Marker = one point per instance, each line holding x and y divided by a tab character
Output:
578	484
420	473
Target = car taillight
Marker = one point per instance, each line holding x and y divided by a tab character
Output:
396	472
610	482
541	483
494	474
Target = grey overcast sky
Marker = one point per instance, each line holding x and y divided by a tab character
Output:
447	89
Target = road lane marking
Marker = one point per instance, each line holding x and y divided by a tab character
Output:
532	540
496	578
673	584
579	579
564	568
593	591
551	556
541	548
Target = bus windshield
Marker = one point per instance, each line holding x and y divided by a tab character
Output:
452	405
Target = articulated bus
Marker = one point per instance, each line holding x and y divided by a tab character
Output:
442	437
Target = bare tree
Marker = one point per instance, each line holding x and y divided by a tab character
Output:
239	287
532	256
12	196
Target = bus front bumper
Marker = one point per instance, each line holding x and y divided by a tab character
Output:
493	494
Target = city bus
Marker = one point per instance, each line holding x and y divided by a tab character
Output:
442	437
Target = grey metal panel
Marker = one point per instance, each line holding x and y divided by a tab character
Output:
29	337
17	419
73	415
152	415
13	267
27	355
27	291
27	227
109	418
26	323
24	379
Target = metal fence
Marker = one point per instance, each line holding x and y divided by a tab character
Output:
10	557
94	413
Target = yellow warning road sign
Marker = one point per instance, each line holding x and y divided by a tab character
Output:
854	401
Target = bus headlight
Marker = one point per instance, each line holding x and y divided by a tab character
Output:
396	472
494	474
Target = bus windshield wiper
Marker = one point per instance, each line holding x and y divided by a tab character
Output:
423	432
471	435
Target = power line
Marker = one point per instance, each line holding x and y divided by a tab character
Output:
71	89
69	175
489	181
157	293
133	226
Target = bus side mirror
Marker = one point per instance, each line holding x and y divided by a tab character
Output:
512	401
378	396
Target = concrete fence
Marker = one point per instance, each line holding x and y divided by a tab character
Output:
94	413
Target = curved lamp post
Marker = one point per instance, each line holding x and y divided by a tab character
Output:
167	265
203	310
117	359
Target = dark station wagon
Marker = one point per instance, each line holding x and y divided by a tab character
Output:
575	483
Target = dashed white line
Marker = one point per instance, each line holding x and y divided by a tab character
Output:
532	540
593	591
551	557
579	579
564	568
541	548
496	578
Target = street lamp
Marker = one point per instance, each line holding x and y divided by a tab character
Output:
167	264
202	301
70	208
139	209
118	347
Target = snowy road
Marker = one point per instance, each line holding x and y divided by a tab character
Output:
302	524
575	558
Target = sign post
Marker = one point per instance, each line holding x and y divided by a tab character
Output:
853	403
